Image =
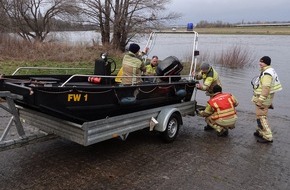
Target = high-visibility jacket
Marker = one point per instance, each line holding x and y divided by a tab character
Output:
272	82
150	70
210	79
223	105
132	68
119	75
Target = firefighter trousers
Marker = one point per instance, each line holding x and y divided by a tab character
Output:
263	126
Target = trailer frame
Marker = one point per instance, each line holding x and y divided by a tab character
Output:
111	127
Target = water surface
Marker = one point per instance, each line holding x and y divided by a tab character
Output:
235	81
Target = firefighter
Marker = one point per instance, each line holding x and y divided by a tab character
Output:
264	88
220	113
210	78
132	65
151	67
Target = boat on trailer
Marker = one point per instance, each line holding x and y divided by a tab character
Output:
83	98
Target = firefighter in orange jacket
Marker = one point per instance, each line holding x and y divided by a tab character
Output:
220	113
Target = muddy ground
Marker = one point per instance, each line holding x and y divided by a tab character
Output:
195	160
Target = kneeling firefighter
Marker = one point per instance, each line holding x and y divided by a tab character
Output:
220	113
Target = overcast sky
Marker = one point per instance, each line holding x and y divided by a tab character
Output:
231	11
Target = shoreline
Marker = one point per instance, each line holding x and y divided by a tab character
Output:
253	30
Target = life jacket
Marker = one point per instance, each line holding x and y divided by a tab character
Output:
223	105
275	84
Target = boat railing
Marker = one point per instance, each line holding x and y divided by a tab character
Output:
65	70
145	78
154	79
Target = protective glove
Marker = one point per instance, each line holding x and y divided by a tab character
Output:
199	86
197	111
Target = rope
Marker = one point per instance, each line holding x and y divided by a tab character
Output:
49	92
164	87
147	91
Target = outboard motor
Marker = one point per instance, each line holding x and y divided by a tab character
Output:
169	66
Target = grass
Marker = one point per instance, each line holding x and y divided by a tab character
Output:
16	53
8	67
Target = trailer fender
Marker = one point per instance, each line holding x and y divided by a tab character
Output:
164	116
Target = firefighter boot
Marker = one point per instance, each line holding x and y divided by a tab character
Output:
208	128
261	140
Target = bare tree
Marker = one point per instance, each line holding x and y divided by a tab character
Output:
125	18
31	19
3	20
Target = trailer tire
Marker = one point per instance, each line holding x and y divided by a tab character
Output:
172	128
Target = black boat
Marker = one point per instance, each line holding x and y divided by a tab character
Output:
82	98
78	99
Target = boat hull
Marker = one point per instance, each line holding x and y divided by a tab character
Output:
80	101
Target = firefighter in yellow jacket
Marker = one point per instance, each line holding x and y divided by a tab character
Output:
132	66
209	76
220	113
151	67
264	87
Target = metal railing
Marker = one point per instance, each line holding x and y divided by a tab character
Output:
66	69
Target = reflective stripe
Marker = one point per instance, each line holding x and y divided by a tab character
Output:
223	104
132	66
275	84
210	79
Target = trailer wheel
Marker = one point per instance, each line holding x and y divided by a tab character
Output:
172	128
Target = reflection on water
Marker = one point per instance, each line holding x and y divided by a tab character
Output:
235	81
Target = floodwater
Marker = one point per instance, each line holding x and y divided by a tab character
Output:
235	81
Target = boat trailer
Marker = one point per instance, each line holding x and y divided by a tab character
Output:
166	119
8	137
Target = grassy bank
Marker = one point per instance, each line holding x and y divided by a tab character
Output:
266	30
16	53
8	67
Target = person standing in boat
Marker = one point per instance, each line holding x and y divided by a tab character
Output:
220	113
132	65
264	88
209	76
